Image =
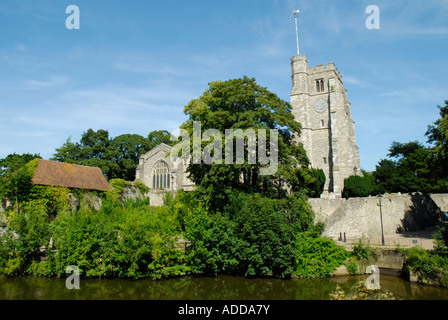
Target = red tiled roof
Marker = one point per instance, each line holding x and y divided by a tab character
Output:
59	174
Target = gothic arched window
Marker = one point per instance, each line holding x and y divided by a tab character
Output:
161	176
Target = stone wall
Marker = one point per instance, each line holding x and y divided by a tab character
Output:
156	197
362	217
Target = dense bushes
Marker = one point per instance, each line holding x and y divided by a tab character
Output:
131	241
427	265
259	236
430	265
317	256
252	236
20	247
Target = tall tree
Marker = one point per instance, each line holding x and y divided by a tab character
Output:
117	157
243	104
128	148
157	137
438	135
410	168
14	179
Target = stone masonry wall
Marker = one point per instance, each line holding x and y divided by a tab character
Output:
361	217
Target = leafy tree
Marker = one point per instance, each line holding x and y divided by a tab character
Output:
14	178
411	167
359	186
310	181
157	137
438	135
16	185
14	162
128	148
243	104
117	157
94	149
255	236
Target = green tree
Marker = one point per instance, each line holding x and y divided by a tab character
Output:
411	168
95	149
14	178
157	137
243	104
254	236
117	157
359	186
31	231
128	148
438	135
310	181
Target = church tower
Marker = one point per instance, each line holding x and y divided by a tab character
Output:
319	102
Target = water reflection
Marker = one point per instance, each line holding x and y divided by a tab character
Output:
204	288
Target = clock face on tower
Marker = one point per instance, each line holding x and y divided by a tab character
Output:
320	105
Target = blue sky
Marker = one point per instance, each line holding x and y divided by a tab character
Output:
133	66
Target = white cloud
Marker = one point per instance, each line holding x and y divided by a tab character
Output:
352	80
51	81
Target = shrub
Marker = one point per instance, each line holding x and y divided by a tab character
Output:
356	186
253	237
427	265
361	256
131	241
28	231
317	256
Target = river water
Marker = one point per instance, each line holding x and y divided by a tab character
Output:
205	288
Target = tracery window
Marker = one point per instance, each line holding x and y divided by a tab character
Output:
161	176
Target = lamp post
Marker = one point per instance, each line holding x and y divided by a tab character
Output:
381	219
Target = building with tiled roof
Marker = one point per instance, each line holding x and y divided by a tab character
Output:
59	174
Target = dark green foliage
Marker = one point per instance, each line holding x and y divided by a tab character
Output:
243	104
117	157
255	236
359	186
267	240
412	169
15	183
254	240
310	181
438	135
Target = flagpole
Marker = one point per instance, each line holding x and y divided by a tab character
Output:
297	32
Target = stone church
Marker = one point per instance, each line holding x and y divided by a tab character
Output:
320	104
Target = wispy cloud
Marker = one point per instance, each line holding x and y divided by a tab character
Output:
51	81
353	80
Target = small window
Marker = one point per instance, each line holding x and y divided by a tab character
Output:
320	86
325	160
322	123
161	176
